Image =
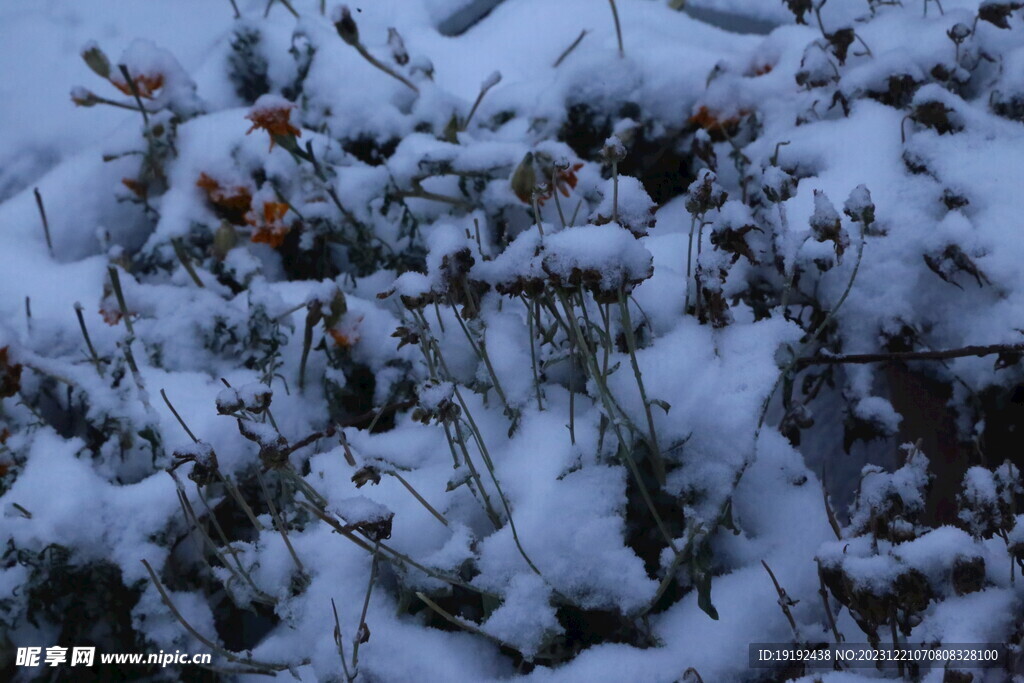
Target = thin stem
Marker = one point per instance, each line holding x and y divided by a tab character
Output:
178	417
479	98
656	458
623	444
618	27
230	656
363	633
179	251
135	93
784	600
88	340
115	283
533	357
568	50
384	67
417	496
42	215
278	522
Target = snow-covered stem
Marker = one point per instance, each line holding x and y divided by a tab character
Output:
656	457
267	667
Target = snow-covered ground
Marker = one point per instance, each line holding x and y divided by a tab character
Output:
446	340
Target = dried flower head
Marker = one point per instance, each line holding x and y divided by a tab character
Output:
273	114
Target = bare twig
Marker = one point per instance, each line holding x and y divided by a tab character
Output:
42	214
568	50
890	356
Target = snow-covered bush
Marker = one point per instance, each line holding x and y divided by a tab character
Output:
385	355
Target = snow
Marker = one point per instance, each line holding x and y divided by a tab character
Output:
547	367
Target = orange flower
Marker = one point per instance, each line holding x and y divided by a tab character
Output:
231	205
272	231
274	120
145	84
346	336
718	129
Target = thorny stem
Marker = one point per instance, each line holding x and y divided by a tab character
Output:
230	656
656	459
